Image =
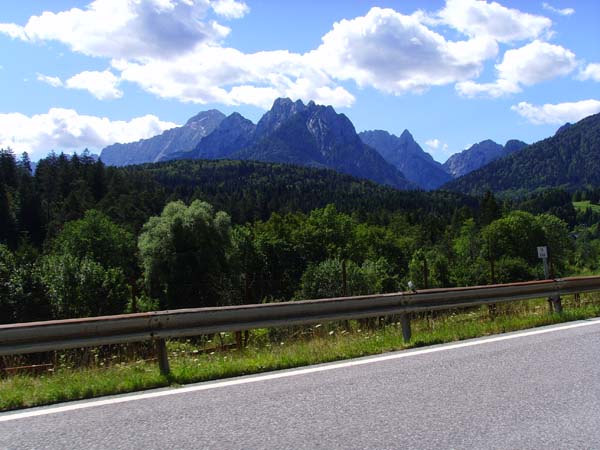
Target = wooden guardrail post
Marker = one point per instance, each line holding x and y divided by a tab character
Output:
577	299
163	357
557	304
405	323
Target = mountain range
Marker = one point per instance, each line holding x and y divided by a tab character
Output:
292	132
317	136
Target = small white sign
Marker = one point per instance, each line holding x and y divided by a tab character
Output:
542	252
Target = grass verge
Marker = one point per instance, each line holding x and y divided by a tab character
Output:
322	344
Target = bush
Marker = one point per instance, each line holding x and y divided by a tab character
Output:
82	287
325	279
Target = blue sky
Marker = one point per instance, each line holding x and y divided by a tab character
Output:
77	74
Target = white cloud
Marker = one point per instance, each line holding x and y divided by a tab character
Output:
384	49
437	149
124	28
66	130
557	114
481	18
591	72
52	81
13	30
531	64
230	9
498	88
102	85
225	75
536	62
165	48
397	53
433	143
171	49
562	12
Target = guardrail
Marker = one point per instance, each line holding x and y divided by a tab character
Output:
52	335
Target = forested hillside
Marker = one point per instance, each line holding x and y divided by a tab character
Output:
251	190
80	239
570	160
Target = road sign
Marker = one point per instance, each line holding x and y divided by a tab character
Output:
543	255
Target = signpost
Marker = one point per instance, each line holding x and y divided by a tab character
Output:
554	303
543	255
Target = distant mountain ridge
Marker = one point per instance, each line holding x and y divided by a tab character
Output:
479	155
570	159
408	157
310	135
159	147
253	190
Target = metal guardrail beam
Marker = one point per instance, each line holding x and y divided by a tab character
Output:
93	331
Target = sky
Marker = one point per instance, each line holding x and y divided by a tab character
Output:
78	74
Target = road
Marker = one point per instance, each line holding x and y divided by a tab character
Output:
533	389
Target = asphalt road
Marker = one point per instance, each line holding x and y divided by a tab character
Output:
539	389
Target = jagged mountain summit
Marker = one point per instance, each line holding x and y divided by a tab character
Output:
479	155
234	133
159	147
570	159
282	110
408	157
317	136
302	134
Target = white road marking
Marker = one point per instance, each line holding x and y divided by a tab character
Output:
290	373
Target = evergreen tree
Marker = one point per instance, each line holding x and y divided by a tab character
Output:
8	227
489	209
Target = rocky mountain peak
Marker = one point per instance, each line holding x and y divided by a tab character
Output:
212	115
282	110
234	119
407	156
160	147
287	107
479	155
410	146
406	136
330	128
317	136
